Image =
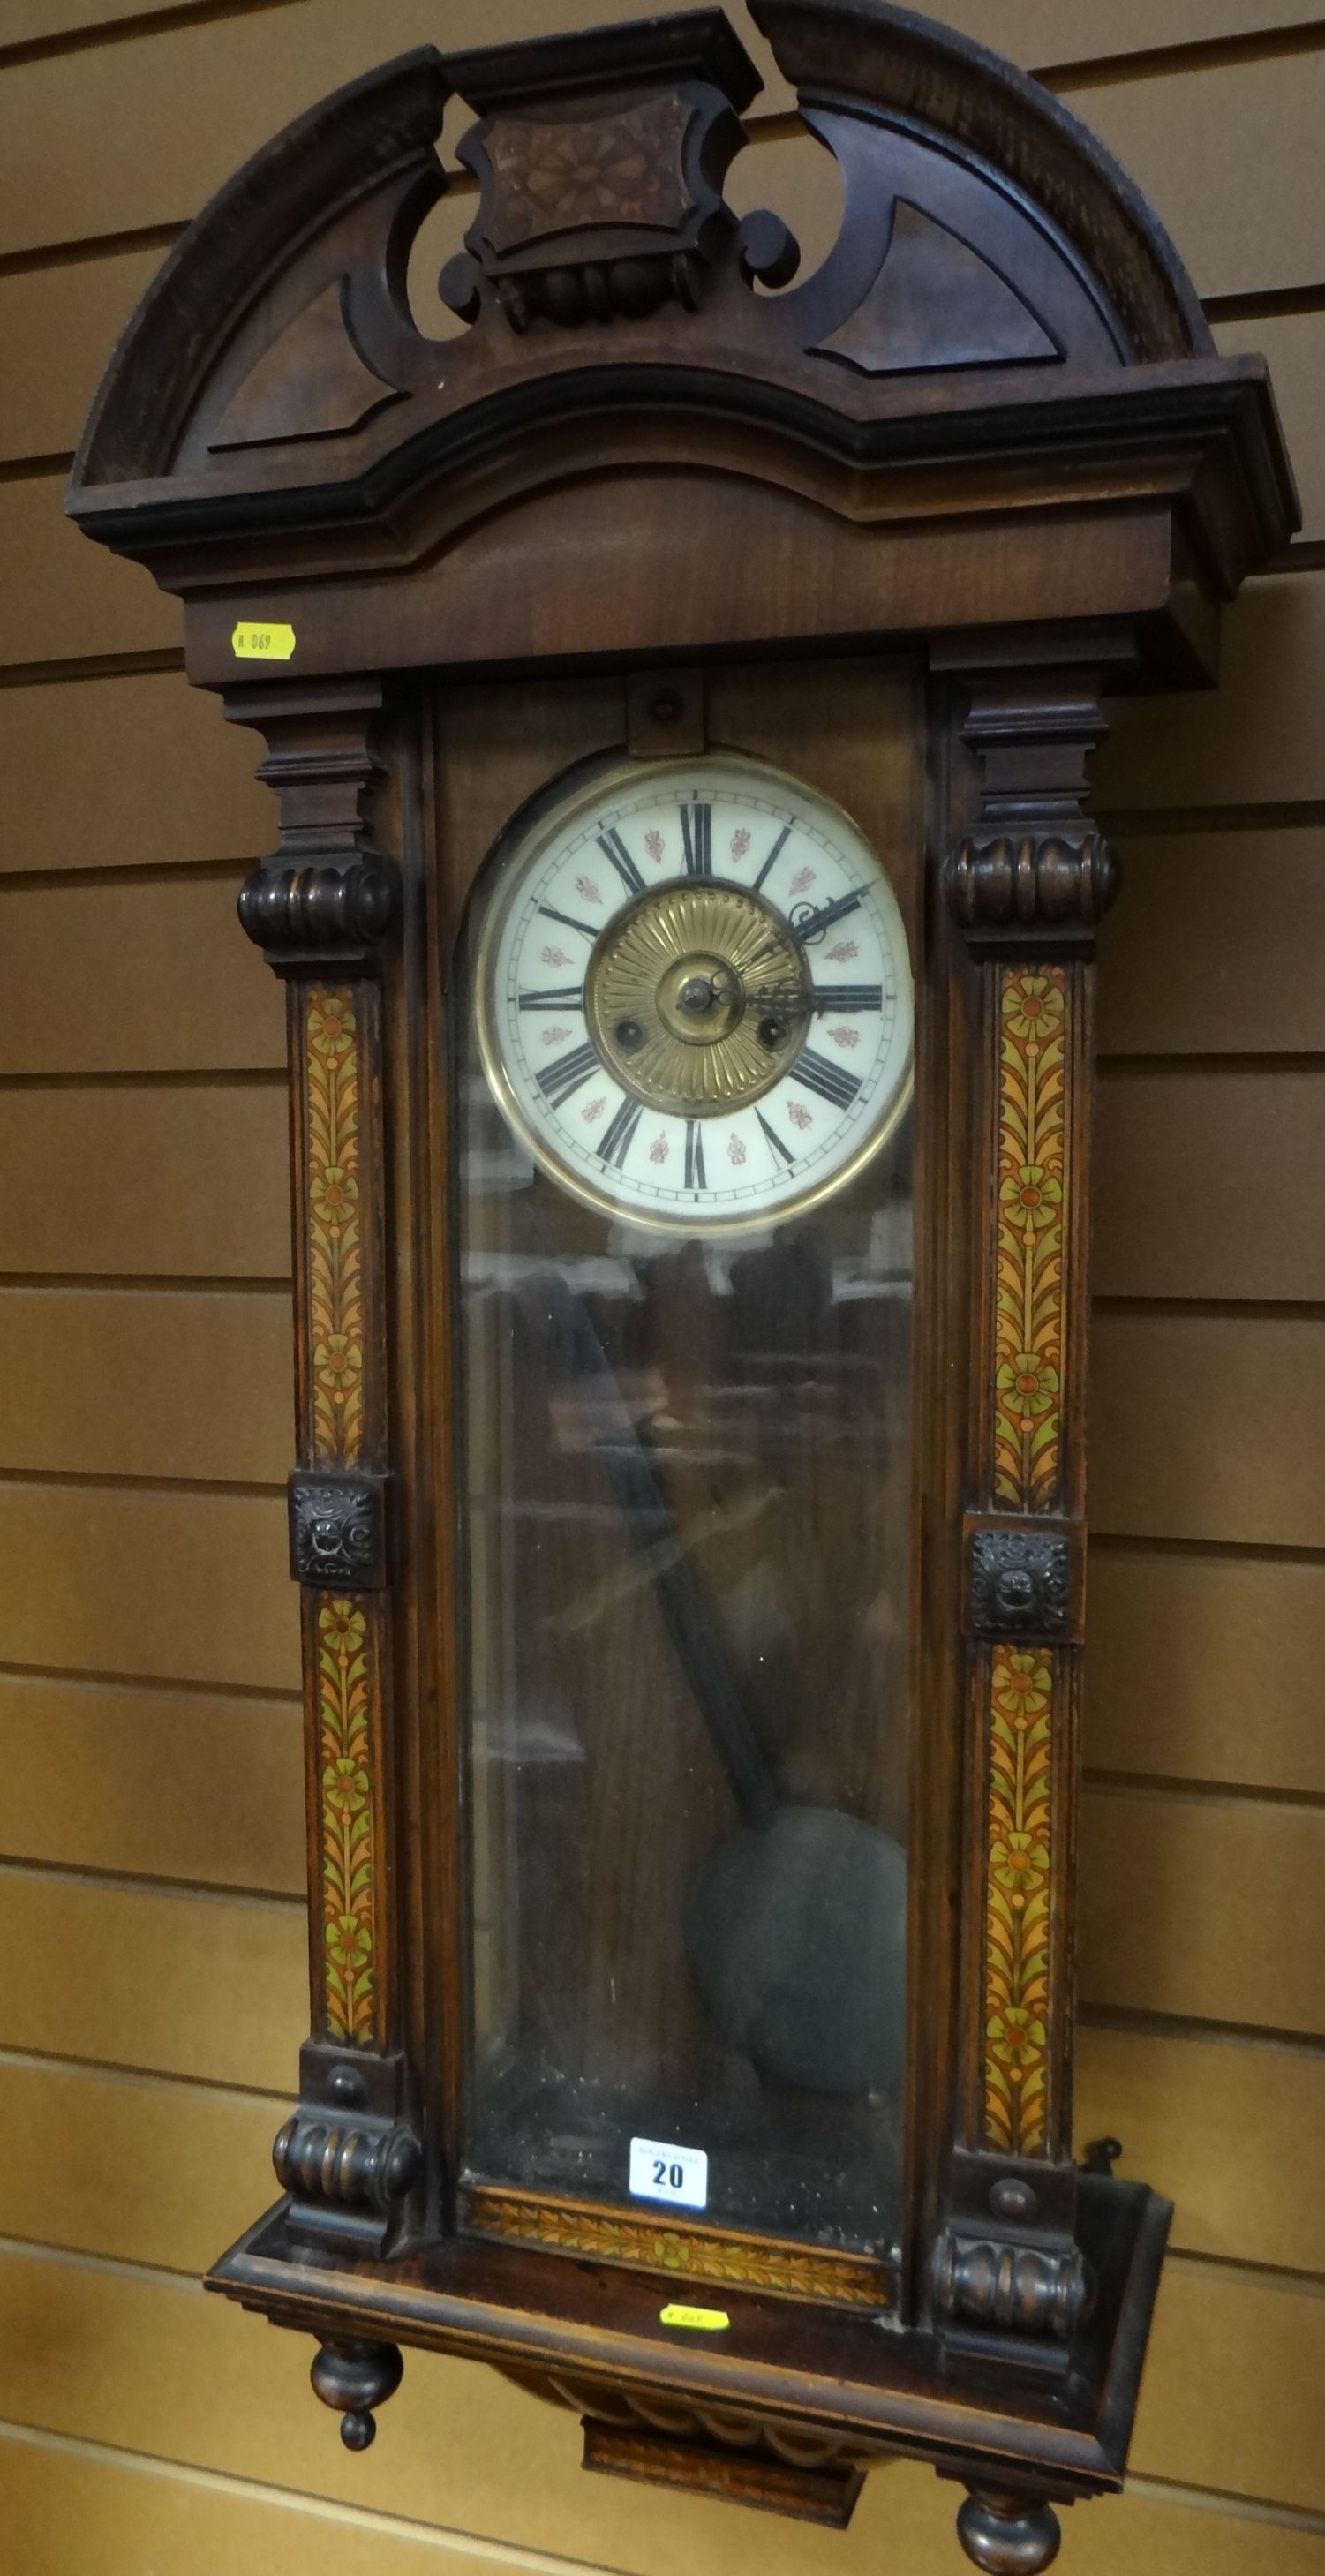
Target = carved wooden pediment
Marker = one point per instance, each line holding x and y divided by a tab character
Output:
993	265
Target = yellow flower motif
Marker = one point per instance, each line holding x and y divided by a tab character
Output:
335	1196
1032	1007
1022	1688
1016	2040
339	1363
1017	1864
342	1628
1029	1386
345	1786
1031	1196
331	1025
349	1943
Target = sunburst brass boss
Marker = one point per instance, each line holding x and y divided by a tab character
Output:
694	993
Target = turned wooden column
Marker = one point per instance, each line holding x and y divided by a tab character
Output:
322	909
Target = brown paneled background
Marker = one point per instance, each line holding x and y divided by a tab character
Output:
151	1929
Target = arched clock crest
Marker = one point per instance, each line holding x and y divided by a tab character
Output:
680	702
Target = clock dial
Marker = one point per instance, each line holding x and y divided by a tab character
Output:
694	994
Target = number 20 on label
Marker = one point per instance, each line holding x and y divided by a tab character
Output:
662	2172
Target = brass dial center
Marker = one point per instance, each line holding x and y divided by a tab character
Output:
697	997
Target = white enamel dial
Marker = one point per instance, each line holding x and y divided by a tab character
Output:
694	993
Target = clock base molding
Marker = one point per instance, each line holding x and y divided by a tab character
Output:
780	2385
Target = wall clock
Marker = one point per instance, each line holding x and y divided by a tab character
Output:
694	994
680	701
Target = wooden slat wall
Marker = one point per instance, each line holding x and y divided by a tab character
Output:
153	1995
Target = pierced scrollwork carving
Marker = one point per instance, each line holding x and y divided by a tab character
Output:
1013	2288
1035	880
310	914
337	1531
352	2164
1020	1585
598	204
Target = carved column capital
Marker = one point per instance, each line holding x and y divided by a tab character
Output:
349	2154
1036	881
327	898
1033	878
346	2163
1013	2288
319	916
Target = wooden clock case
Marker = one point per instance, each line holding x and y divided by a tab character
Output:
898	527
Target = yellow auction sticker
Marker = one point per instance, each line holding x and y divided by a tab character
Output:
700	2320
251	643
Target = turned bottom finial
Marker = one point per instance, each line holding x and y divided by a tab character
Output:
354	2378
1008	2535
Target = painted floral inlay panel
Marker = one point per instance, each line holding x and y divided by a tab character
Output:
345	1681
1032	1184
1017	1913
650	2245
345	1691
335	1271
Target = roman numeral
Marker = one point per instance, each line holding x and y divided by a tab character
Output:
774	1138
848	997
585	928
568	997
694	1156
620	1135
557	1081
831	1081
614	848
697	834
774	855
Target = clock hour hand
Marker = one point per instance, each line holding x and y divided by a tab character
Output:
813	922
823	919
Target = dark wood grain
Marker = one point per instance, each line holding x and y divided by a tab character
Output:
896	527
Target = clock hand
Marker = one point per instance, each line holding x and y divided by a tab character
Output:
799	932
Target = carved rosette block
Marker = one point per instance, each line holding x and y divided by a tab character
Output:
1020	1585
601	162
338	1530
